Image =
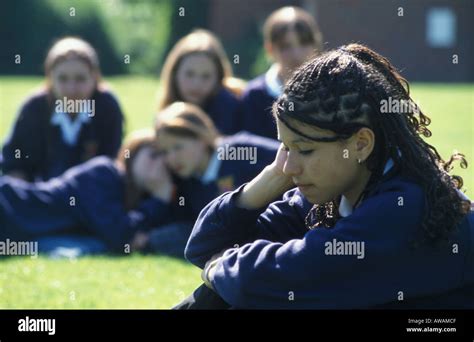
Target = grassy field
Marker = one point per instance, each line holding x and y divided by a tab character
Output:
159	282
145	282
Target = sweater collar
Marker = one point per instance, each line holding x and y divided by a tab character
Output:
345	207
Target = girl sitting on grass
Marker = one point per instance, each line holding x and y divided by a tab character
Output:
291	37
95	207
50	135
198	71
389	226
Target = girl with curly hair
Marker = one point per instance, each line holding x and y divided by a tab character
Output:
389	226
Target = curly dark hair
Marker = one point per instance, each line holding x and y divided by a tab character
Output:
342	90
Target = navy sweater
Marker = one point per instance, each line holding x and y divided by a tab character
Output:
229	174
224	110
44	154
88	198
256	112
281	264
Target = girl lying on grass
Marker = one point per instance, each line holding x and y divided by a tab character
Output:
389	226
95	207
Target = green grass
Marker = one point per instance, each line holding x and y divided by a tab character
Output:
159	282
99	282
451	108
145	282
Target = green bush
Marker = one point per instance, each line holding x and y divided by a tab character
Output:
139	29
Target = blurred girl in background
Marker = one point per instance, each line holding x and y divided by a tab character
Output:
198	71
99	206
49	135
204	165
291	36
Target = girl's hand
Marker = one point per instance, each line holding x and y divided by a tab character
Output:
279	163
160	183
268	185
209	269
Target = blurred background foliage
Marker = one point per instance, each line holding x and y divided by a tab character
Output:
145	30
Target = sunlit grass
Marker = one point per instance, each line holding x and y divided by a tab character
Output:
147	282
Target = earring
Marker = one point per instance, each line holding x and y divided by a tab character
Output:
359	161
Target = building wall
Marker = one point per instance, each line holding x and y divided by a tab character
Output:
402	38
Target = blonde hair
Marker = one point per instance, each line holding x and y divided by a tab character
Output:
72	48
187	120
197	42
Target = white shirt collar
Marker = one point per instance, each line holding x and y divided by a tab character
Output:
212	170
345	208
388	166
272	82
70	128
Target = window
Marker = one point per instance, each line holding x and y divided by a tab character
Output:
441	27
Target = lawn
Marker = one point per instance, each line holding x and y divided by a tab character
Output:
155	281
145	282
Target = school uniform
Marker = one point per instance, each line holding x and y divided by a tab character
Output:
257	101
281	264
224	173
224	110
88	199
49	142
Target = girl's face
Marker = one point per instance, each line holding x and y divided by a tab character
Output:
73	79
146	167
290	53
184	156
196	78
323	170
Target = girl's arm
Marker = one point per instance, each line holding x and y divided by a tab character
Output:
365	260
21	150
111	128
100	207
244	205
108	219
211	233
271	260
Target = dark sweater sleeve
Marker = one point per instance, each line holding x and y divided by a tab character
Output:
111	127
88	197
116	226
256	110
248	115
280	269
23	139
32	210
221	224
101	210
